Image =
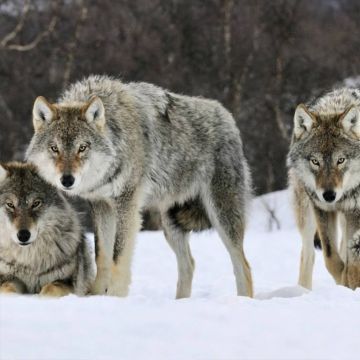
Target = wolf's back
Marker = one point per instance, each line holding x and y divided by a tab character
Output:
335	101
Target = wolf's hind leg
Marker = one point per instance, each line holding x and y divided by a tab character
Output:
104	224
178	240
12	287
56	289
305	219
226	210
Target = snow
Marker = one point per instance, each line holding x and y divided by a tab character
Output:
283	321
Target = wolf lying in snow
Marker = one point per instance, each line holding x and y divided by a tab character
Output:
42	248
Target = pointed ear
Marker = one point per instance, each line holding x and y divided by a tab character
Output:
95	112
350	122
3	173
303	121
43	113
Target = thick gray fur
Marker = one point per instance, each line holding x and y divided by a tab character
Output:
58	253
151	147
324	158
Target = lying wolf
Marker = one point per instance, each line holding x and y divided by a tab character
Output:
42	248
324	174
130	146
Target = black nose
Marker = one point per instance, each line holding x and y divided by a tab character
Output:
68	180
329	195
23	235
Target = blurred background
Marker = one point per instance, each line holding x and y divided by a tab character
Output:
259	58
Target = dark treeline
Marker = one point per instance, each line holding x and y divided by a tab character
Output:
258	57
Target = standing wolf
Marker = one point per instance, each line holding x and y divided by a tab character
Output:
129	146
42	249
324	174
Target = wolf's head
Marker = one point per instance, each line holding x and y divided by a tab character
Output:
325	152
26	201
70	146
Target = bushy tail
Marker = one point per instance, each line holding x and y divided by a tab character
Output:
190	216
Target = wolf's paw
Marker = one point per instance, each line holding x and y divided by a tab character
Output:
351	272
99	287
9	287
55	290
352	276
120	291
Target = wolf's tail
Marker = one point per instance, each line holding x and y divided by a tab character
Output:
190	216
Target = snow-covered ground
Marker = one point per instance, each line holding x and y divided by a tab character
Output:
284	321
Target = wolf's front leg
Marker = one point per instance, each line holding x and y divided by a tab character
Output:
13	286
351	273
306	224
327	228
57	289
104	218
127	226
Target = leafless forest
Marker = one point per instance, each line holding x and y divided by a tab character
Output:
258	57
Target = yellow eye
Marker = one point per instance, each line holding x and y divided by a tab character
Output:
10	205
36	204
54	148
82	148
315	162
341	161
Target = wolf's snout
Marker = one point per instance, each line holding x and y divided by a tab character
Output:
24	236
67	181
329	195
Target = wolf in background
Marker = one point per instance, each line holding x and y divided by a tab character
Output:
129	146
324	177
42	248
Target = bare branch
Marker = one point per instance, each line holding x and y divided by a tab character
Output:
228	6
272	215
5	108
31	45
72	46
19	26
4	44
239	79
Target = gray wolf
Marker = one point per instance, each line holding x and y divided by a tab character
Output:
324	177
42	249
126	147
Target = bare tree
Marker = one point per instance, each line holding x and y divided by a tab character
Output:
7	40
260	58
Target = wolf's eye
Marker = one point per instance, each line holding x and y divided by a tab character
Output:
341	160
36	204
315	162
54	149
82	148
10	205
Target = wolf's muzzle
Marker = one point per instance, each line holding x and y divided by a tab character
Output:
329	195
67	181
24	236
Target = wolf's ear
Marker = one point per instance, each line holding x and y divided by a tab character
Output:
350	121
3	173
95	112
303	121
43	113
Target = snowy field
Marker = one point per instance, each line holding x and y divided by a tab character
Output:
284	321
